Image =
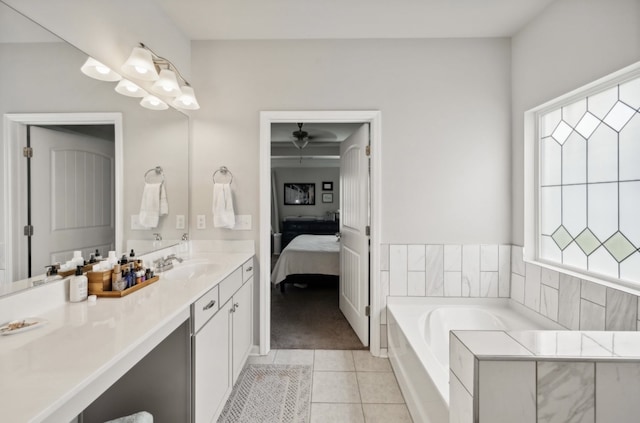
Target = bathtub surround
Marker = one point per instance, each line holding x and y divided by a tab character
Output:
544	377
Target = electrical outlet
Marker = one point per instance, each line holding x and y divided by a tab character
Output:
180	221
201	221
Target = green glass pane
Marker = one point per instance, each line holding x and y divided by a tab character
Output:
619	247
587	241
562	237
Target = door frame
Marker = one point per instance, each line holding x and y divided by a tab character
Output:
14	125
374	119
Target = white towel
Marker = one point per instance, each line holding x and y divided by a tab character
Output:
141	417
153	205
223	213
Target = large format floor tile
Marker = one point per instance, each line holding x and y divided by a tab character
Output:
379	388
335	387
337	413
333	360
365	362
386	413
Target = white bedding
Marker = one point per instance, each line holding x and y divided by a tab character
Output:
308	254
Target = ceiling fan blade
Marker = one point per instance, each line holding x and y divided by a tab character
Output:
300	144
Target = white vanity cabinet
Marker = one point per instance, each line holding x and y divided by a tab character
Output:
221	340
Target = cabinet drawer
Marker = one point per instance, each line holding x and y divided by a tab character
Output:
204	308
247	270
230	285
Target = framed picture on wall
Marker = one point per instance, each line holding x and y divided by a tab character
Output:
300	194
327	186
327	197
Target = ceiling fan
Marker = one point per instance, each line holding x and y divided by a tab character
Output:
301	138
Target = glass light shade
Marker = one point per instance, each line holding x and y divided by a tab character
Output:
186	100
153	103
128	88
140	65
167	84
97	70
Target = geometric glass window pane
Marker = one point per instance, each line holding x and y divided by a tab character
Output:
574	160
603	155
601	104
603	209
549	250
573	112
630	150
587	125
562	237
619	116
574	256
587	241
549	121
550	209
550	162
574	208
562	132
602	262
630	268
630	211
619	247
630	93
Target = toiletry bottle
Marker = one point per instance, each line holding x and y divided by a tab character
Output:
112	259
92	258
78	286
132	255
123	260
52	273
98	256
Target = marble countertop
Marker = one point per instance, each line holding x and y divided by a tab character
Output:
52	373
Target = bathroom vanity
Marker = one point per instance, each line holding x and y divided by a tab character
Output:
194	327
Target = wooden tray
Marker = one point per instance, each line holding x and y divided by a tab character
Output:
118	294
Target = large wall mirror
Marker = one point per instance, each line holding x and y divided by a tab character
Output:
104	145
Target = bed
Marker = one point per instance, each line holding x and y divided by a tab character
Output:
308	254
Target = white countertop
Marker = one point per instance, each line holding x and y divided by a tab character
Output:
52	373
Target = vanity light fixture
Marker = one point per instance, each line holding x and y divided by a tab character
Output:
130	89
186	100
148	71
153	103
97	70
140	64
167	84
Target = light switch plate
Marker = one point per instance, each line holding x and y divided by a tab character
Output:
201	221
243	222
180	221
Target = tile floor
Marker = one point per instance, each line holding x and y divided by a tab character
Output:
348	386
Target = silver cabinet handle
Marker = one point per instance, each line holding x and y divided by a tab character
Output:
232	310
208	306
249	269
236	305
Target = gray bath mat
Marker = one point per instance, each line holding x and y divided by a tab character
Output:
270	393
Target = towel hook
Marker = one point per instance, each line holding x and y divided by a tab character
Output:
158	171
225	172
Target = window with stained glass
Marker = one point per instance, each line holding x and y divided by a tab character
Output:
589	183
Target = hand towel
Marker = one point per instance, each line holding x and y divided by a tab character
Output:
223	213
150	205
141	417
164	204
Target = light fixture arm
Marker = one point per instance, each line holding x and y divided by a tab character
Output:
159	60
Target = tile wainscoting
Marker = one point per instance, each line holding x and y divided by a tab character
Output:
492	270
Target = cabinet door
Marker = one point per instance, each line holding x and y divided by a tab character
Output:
242	324
211	370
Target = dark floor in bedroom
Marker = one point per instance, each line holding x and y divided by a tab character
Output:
310	317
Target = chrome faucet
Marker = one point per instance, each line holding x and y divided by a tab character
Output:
157	236
166	263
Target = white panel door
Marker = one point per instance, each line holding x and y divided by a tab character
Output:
354	219
72	196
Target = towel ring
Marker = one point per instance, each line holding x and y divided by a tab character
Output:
225	172
158	171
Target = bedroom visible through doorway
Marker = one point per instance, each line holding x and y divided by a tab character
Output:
305	244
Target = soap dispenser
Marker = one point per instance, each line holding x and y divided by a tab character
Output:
78	286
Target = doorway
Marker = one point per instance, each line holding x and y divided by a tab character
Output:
53	173
266	120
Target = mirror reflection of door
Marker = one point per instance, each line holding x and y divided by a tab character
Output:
72	198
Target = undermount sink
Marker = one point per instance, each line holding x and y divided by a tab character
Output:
189	269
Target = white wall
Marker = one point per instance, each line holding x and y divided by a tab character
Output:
108	30
572	43
445	117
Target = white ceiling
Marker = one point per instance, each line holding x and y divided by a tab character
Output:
335	19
